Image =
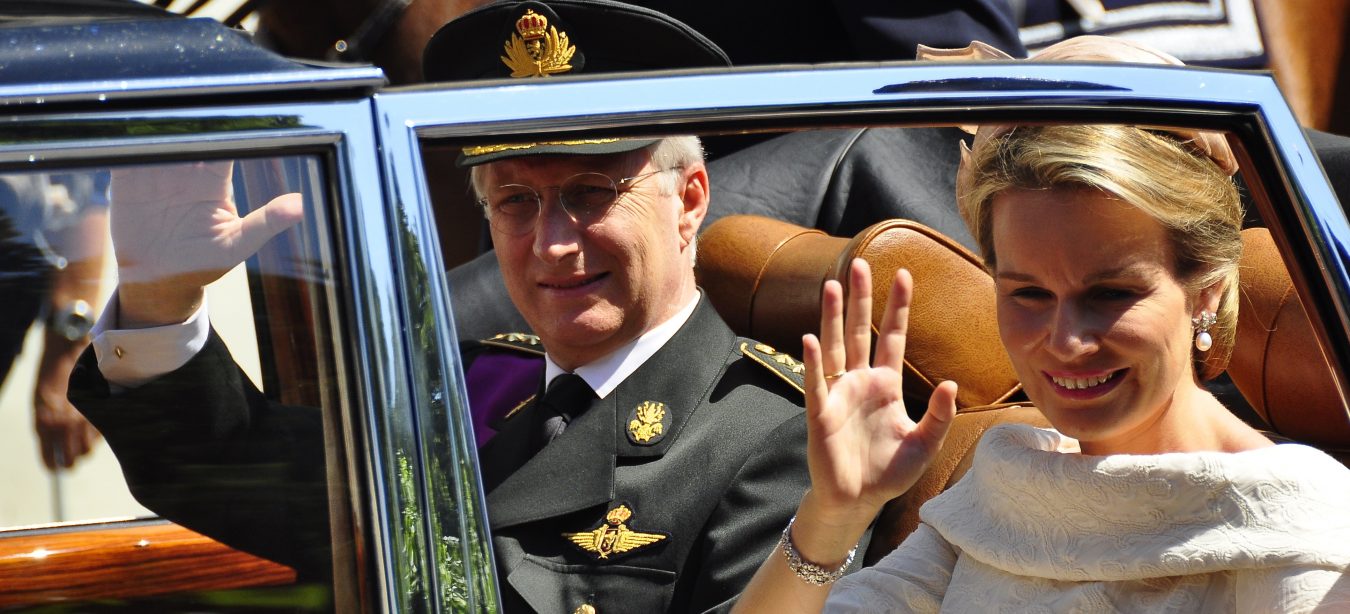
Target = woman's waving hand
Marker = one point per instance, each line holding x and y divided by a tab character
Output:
862	447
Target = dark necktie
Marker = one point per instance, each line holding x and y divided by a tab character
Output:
566	397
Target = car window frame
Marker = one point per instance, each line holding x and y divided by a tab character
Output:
368	319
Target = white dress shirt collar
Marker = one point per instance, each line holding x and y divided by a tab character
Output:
606	373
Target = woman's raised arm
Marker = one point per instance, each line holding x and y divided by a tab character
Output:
862	447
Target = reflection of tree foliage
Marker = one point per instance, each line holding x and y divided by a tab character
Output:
409	580
87	129
449	557
446	488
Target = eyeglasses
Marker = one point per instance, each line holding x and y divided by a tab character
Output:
586	197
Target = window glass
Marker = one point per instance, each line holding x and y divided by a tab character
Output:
207	463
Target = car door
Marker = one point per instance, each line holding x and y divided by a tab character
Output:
329	511
423	130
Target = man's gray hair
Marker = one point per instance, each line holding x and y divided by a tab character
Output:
675	152
670	152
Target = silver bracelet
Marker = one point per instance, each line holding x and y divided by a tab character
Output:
809	572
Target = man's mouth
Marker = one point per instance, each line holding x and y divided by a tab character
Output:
572	283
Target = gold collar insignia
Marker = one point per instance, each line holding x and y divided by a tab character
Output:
613	536
786	367
539	50
781	358
648	423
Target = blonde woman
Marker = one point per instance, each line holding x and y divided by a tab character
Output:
1114	251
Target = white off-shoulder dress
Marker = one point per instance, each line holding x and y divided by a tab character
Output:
1032	529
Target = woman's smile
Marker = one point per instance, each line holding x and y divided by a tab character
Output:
1083	387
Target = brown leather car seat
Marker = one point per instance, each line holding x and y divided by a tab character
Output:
764	276
1277	363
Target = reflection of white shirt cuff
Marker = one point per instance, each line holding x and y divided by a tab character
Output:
130	358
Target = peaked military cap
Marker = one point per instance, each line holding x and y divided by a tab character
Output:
533	39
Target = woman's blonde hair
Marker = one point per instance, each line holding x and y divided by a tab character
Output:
1183	189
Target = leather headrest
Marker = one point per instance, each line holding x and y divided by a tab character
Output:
1277	363
764	276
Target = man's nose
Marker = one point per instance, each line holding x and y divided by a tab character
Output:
556	236
1073	333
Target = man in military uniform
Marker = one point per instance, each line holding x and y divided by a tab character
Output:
659	456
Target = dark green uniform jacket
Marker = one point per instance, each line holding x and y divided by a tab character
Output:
700	505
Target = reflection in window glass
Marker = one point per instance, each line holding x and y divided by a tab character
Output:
204	379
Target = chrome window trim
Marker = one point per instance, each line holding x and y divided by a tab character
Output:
368	324
442	413
206	145
385	423
362	79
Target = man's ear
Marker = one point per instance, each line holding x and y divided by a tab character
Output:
694	194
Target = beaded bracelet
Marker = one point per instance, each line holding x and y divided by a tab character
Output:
809	572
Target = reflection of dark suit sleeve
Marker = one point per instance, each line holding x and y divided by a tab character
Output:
204	448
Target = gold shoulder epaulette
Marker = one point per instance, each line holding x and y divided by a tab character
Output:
783	365
521	342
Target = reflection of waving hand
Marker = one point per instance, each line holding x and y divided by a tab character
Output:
175	229
862	446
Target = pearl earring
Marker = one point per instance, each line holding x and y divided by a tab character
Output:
1201	324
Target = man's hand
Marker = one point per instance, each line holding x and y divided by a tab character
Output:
175	229
63	434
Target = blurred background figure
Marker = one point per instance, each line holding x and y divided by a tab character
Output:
76	230
53	234
53	239
1301	41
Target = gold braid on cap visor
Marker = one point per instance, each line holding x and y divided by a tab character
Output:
491	149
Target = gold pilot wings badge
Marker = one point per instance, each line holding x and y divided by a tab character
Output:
538	50
613	537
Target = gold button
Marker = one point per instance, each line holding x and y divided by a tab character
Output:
584	608
119	351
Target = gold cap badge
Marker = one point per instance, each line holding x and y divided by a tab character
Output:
648	423
613	537
538	49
